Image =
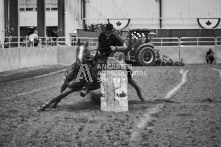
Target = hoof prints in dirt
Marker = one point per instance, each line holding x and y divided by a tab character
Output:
80	128
190	118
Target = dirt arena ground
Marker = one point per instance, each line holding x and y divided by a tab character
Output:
182	108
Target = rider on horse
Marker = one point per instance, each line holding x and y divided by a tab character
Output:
107	42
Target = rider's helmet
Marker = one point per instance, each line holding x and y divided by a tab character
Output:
109	27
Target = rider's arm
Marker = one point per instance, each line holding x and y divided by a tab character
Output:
98	44
117	48
119	45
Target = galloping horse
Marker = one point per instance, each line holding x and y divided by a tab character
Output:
75	82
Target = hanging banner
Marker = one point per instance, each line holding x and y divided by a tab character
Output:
208	23
119	23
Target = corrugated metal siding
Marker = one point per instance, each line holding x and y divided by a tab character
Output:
122	8
191	8
2	30
73	19
2	22
145	13
184	13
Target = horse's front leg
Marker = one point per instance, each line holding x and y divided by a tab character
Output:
63	88
73	84
55	99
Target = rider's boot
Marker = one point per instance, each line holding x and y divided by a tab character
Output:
84	91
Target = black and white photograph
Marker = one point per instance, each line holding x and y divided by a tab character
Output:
110	73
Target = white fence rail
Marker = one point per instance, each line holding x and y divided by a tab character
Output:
166	41
218	40
11	42
196	41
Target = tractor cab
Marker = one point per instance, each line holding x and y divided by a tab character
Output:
138	34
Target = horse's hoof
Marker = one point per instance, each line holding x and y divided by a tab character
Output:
142	100
42	108
54	106
39	109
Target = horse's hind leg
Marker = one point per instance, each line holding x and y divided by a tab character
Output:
137	88
56	99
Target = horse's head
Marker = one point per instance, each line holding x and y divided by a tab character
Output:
82	53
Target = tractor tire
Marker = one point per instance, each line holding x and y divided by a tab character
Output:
146	57
119	56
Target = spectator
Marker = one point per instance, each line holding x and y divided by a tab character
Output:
210	56
33	38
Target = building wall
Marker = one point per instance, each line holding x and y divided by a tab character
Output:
188	32
51	18
16	58
73	20
191	8
183	14
2	21
176	14
29	18
143	13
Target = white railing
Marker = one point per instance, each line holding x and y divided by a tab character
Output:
73	41
166	41
11	42
196	41
186	41
218	40
48	41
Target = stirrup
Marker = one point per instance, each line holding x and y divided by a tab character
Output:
84	91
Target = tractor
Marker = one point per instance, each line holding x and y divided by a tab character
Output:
139	50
